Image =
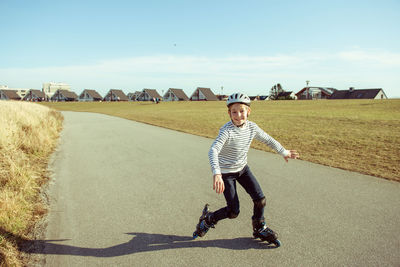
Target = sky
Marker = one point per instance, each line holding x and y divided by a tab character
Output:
228	46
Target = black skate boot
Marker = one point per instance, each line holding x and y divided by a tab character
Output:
205	223
260	230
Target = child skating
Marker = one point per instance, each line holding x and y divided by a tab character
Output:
228	160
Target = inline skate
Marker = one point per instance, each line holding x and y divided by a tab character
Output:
260	230
205	223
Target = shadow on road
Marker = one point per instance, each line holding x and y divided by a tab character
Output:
141	242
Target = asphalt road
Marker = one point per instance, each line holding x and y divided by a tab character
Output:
130	194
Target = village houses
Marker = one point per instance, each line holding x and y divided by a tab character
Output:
62	92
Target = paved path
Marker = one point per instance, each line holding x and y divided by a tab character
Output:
130	194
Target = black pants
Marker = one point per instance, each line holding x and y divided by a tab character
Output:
247	180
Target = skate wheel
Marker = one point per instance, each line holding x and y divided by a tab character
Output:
195	235
277	243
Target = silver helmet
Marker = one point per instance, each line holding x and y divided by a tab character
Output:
238	98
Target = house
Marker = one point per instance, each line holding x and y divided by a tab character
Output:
286	96
35	96
89	95
9	95
115	95
21	92
174	94
203	94
149	95
259	97
308	93
62	95
133	96
375	93
222	97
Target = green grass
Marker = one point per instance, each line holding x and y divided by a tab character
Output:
356	135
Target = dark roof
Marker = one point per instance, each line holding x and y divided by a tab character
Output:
179	93
152	93
35	92
67	94
356	94
209	95
301	91
121	96
11	94
93	93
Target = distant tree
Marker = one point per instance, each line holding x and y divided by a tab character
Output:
275	90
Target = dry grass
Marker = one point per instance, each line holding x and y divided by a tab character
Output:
357	135
28	135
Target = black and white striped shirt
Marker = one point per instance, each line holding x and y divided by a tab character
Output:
228	153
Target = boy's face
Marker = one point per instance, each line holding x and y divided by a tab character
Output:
239	113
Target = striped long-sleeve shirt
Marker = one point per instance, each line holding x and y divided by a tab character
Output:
228	153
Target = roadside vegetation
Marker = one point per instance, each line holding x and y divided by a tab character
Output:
28	136
356	135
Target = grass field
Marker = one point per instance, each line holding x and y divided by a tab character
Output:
357	135
28	136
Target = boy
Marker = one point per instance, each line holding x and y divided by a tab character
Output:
228	160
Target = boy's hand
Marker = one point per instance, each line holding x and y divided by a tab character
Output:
292	155
218	184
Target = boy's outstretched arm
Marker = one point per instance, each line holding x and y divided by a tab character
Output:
218	184
293	154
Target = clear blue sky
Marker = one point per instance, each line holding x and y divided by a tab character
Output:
241	45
